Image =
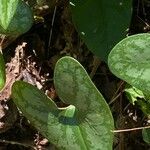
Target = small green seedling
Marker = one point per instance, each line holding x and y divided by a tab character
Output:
133	94
130	61
86	124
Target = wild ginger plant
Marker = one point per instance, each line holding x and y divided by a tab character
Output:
87	122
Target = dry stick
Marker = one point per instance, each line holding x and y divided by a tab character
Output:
51	31
147	25
132	129
96	63
143	9
3	38
17	143
115	97
121	143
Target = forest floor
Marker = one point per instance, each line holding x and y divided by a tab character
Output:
32	57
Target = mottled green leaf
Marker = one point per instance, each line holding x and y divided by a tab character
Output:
101	23
85	124
146	135
130	61
144	105
74	86
2	72
15	17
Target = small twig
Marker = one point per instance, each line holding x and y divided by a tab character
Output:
116	96
132	129
51	31
3	38
17	143
121	83
96	63
122	137
112	101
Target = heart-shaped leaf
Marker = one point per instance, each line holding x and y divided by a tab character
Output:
85	124
15	17
101	23
2	72
130	61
